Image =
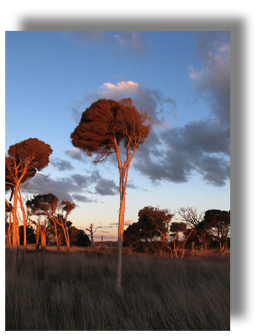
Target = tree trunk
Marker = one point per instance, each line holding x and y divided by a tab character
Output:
8	234
24	219
43	239
120	244
37	237
91	237
15	234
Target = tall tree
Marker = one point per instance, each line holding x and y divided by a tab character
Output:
23	161
103	127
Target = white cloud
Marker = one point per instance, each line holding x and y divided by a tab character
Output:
120	87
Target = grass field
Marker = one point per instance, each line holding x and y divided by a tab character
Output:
76	291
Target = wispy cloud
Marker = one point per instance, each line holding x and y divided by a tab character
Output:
127	222
133	40
75	154
118	40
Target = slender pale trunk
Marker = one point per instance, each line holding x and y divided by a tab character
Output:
91	232
15	234
185	244
120	240
24	219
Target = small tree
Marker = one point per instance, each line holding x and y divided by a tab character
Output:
92	230
103	127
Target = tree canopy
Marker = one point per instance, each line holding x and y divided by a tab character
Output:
107	123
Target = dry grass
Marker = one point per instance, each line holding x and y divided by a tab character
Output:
75	291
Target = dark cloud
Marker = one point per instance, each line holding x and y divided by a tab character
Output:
83	199
214	170
202	147
197	137
61	164
45	185
71	188
106	187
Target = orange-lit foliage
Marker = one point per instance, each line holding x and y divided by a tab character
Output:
107	123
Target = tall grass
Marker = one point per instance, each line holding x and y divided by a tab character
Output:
75	291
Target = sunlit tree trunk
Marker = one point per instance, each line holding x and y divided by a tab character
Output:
43	237
120	245
184	246
192	247
15	235
24	219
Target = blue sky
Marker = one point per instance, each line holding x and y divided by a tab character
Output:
182	79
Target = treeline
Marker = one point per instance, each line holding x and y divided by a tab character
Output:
156	230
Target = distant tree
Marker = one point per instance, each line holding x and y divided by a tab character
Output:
152	224
133	236
103	127
78	237
154	221
24	159
92	230
218	223
192	219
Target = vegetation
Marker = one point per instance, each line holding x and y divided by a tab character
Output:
74	291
